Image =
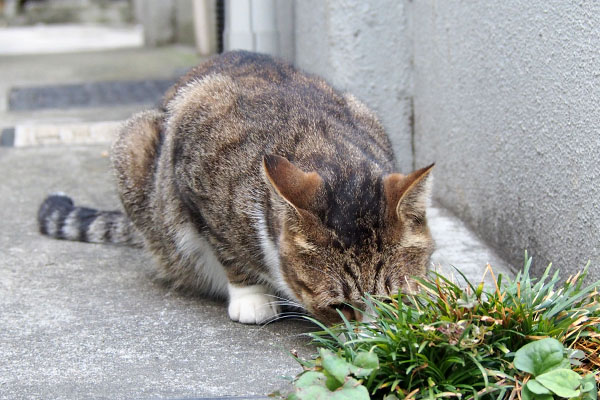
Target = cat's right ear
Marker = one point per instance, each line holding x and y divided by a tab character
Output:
295	186
408	195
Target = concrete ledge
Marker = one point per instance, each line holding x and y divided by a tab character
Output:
51	134
48	39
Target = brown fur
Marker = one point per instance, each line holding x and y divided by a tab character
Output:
255	174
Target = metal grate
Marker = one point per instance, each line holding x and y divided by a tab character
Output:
96	94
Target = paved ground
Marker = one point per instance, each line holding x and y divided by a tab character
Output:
80	320
88	321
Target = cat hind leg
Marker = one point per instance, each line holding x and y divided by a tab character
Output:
134	158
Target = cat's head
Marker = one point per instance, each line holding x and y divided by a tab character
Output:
342	239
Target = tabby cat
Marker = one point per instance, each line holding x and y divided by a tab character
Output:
255	182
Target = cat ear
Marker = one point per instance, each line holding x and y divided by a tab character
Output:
295	186
407	195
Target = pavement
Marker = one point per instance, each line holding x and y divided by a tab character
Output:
81	320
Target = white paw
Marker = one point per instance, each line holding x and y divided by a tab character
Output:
251	304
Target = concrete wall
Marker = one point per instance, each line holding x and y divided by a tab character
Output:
165	22
264	26
364	48
507	101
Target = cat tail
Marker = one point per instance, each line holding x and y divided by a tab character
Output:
59	218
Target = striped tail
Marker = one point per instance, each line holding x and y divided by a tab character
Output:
59	218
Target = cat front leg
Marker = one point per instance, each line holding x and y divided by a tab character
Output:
252	304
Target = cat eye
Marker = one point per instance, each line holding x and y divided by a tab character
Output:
418	220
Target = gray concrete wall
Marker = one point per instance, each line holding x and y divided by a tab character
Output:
503	97
364	48
165	22
263	26
507	102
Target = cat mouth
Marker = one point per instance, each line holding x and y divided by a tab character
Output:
338	312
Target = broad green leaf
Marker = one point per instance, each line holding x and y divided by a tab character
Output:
589	388
543	397
526	394
310	378
539	356
360	372
537	388
313	393
312	386
562	382
352	390
335	365
364	363
575	353
331	383
367	359
565	364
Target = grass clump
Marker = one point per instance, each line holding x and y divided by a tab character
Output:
525	338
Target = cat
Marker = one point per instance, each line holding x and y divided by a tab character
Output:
257	182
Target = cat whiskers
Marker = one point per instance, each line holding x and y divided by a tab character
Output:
298	316
282	301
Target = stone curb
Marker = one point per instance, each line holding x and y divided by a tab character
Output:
51	134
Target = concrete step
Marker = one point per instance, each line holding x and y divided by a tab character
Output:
49	39
89	94
66	72
112	12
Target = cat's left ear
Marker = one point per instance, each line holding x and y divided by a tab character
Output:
407	195
295	186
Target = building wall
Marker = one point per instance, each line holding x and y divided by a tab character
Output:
165	22
364	48
507	101
264	26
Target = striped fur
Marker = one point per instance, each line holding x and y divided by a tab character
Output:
58	217
258	182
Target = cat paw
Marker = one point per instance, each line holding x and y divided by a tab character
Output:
251	304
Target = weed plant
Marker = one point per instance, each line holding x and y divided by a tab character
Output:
524	338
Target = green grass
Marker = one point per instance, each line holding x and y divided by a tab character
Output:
450	342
